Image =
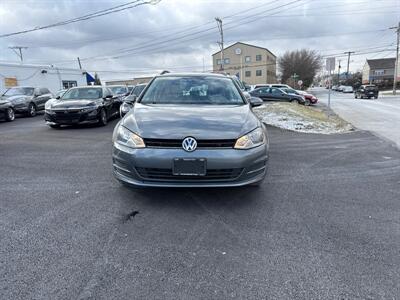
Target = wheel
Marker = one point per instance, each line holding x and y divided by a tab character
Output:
355	96
362	97
307	103
295	101
31	110
55	126
10	114
103	118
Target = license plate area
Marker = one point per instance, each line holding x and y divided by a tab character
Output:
189	167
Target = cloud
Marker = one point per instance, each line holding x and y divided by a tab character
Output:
179	34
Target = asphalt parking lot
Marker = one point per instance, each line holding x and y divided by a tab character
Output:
325	225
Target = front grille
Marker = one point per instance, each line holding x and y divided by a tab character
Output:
167	143
211	174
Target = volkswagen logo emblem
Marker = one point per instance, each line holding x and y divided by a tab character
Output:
189	144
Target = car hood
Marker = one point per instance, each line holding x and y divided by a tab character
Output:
198	121
65	104
4	101
14	98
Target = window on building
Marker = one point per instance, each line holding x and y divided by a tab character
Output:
258	72
379	72
247	74
69	84
227	61
258	57
247	59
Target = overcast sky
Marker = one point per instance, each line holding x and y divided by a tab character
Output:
181	35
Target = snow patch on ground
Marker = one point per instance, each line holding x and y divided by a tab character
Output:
301	118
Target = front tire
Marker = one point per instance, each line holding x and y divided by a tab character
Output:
55	126
31	110
10	114
103	117
294	101
307	102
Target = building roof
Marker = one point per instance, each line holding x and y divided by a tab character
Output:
381	63
24	65
245	45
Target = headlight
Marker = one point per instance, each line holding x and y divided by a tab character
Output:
47	105
127	138
125	108
252	139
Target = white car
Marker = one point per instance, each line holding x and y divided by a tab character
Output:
347	89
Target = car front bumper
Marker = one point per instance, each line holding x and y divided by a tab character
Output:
152	167
71	118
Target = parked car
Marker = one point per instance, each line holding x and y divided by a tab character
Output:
27	100
308	97
367	91
175	135
276	85
119	90
276	94
82	105
129	100
6	110
348	89
340	88
130	88
138	89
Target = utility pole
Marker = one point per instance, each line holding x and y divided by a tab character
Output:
348	62
221	43
79	62
396	64
19	53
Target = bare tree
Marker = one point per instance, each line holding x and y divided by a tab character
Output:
299	65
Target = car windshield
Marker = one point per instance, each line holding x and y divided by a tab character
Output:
27	91
83	93
192	90
118	90
138	89
370	87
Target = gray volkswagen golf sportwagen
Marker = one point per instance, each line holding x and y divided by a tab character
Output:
191	130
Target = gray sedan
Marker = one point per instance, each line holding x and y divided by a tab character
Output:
191	130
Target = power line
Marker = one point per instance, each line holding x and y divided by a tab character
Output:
100	13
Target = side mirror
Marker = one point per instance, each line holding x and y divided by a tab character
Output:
125	108
131	100
255	101
58	97
127	94
108	97
283	94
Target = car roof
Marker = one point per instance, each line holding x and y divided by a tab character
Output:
86	87
116	85
192	75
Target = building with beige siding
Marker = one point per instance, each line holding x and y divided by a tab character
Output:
252	64
380	71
